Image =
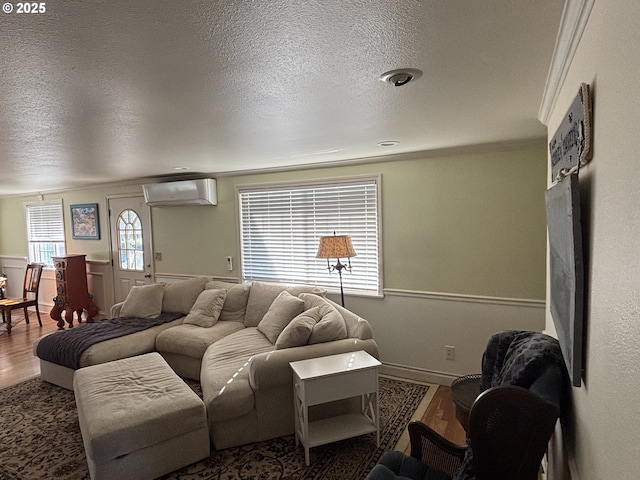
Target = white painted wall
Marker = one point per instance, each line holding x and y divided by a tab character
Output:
412	329
601	434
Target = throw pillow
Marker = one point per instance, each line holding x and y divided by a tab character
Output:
283	309
179	297
331	326
298	331
312	300
143	301
235	305
263	294
206	310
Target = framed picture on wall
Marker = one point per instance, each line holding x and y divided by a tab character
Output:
84	222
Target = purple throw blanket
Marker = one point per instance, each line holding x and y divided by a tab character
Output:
67	346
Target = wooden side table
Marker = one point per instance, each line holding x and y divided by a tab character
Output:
464	391
335	377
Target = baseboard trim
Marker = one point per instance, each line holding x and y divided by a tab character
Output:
417	374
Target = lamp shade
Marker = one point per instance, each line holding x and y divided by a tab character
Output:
335	246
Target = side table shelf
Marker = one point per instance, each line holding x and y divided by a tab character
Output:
335	377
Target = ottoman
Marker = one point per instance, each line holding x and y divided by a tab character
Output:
138	419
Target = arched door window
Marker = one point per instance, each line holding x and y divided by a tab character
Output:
130	248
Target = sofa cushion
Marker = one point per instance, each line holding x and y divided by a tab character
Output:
206	310
330	326
283	309
235	305
298	331
263	294
224	375
180	296
127	346
143	301
357	327
192	340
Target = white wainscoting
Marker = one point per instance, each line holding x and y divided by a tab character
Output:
176	277
100	283
13	268
99	280
412	328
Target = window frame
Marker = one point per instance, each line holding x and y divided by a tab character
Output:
60	245
333	284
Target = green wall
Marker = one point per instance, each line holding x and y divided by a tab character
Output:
464	224
13	235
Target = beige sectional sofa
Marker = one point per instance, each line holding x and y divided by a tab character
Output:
237	340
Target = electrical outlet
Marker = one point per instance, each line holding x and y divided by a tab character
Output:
229	263
449	352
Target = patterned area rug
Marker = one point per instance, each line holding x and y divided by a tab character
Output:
40	438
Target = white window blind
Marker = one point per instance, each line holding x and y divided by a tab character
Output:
45	231
281	226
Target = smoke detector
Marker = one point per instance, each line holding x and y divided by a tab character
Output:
401	76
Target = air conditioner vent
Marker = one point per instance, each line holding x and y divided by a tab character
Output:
183	192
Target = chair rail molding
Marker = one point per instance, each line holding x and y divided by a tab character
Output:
572	24
456	297
177	277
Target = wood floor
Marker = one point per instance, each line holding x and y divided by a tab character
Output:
17	363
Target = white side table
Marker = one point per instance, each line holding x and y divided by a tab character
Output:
335	377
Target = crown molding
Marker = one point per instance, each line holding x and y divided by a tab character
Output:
572	24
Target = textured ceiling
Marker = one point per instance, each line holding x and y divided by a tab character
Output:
97	91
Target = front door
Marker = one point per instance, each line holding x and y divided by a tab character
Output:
130	233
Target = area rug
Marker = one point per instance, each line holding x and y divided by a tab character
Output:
40	438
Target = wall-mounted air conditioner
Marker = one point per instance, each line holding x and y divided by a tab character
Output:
183	192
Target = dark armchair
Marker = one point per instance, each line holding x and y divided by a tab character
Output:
510	422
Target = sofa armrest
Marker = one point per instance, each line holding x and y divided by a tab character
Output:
271	369
115	310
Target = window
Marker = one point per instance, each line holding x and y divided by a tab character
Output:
281	226
45	231
130	249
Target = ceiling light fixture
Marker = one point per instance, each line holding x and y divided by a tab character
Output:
181	168
401	76
388	143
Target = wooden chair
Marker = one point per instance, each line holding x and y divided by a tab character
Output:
29	296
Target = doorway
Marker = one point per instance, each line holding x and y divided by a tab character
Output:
130	234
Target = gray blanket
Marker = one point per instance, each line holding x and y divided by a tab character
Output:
67	346
516	357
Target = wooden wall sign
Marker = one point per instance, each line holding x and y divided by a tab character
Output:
570	147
